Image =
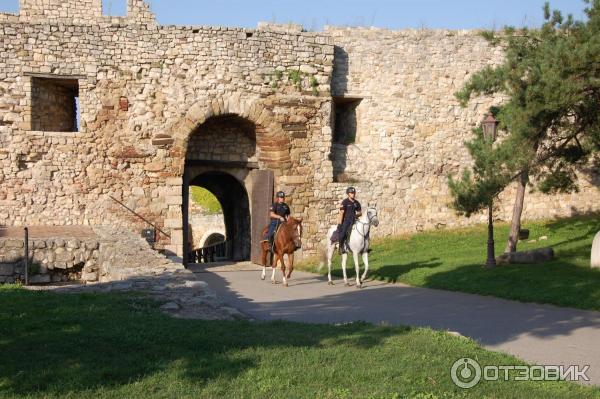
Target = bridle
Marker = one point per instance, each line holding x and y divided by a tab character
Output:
368	223
298	227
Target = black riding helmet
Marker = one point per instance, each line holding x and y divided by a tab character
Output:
281	194
351	190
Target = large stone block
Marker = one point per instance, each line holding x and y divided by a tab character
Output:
40	279
7	269
89	276
541	255
62	255
14	244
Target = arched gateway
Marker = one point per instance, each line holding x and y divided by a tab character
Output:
223	157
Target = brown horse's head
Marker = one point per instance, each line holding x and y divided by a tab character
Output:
295	230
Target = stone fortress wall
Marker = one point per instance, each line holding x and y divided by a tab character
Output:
410	128
144	92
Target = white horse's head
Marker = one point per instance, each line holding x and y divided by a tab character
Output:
372	215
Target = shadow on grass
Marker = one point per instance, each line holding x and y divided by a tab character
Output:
580	227
393	273
387	273
558	283
53	344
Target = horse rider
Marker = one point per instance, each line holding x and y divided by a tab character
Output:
279	212
350	211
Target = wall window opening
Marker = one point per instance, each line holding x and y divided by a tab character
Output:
55	105
345	120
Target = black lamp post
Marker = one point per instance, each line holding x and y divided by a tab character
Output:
490	128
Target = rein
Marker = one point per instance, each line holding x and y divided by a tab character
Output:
365	224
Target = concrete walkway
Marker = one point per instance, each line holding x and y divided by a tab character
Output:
540	334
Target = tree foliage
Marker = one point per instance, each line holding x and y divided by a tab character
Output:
550	121
206	200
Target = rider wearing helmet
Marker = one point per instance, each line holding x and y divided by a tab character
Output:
279	213
350	210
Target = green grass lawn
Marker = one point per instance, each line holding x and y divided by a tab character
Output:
119	346
453	259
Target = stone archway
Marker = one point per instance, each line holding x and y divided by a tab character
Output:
234	200
211	238
224	155
269	157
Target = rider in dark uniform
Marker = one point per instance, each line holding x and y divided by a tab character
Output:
279	213
350	210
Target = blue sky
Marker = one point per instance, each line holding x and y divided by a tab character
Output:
313	14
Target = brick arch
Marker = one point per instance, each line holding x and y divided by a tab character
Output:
271	139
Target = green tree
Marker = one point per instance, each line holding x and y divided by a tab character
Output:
206	200
550	123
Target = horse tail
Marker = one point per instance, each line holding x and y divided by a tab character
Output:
322	250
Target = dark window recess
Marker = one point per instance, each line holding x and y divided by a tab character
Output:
55	105
114	8
345	120
249	34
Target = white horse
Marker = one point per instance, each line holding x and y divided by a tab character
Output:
358	244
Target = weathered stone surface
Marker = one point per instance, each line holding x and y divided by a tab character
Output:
527	257
595	255
7	269
72	244
62	255
58	258
14	244
40	279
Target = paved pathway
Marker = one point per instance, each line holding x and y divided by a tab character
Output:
540	334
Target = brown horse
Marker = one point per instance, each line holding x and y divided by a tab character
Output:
287	240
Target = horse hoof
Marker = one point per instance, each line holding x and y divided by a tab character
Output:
347	284
262	278
359	286
330	283
286	285
273	282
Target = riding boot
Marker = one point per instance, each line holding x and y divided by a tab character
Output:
271	243
342	246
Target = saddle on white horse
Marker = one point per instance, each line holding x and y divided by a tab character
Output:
335	238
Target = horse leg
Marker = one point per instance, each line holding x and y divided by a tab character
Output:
365	258
330	251
344	260
281	257
264	263
274	267
291	265
357	267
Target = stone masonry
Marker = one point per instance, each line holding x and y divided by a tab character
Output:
153	97
53	260
410	128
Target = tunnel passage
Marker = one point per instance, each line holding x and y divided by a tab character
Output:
236	211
